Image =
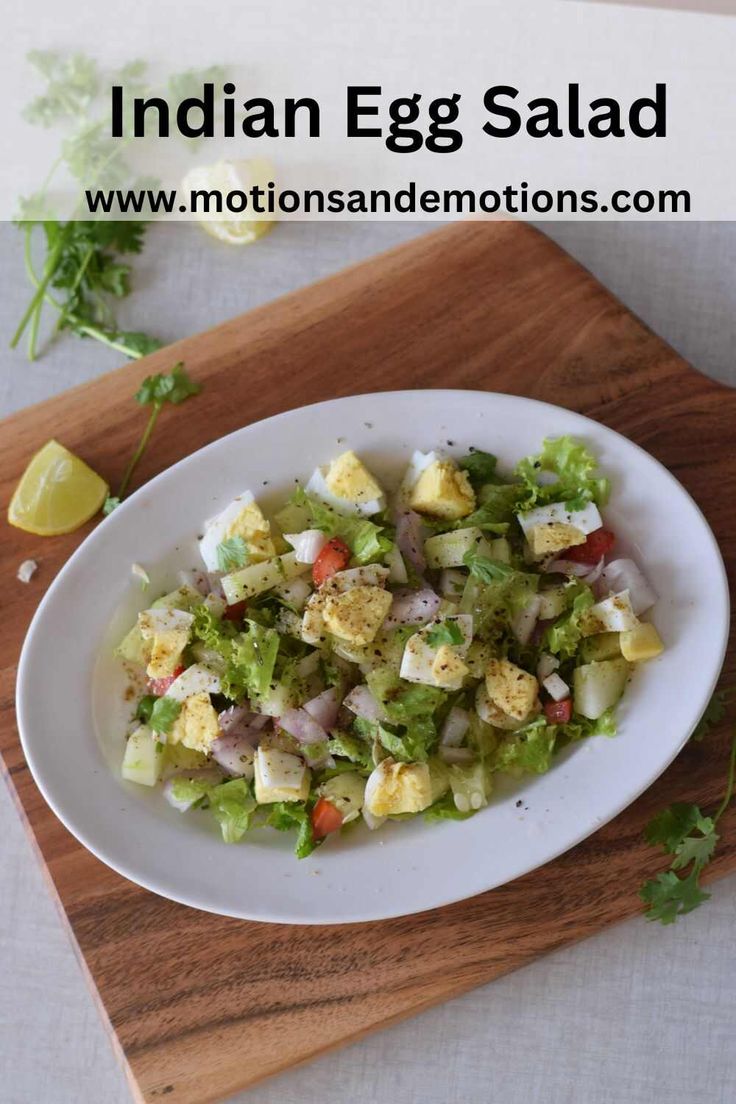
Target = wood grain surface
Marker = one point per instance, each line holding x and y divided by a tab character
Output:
201	1006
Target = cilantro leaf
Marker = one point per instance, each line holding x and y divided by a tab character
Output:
668	896
111	503
486	569
232	553
480	466
145	708
715	711
447	632
174	387
163	714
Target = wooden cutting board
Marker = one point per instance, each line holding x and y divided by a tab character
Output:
201	1006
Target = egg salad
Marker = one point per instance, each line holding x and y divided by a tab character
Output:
369	652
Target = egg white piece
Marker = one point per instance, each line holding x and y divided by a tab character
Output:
418	463
317	486
586	520
197	679
215	530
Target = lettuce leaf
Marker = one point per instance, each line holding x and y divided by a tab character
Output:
563	637
577	482
445	809
249	656
530	749
190	789
367	541
232	806
286	816
480	466
494	604
345	746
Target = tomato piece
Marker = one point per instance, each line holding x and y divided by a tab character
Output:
325	819
558	712
335	556
597	544
159	686
236	612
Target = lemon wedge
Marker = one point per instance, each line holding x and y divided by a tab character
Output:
57	493
226	177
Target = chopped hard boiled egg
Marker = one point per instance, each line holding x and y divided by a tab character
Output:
168	630
242	518
641	643
512	689
347	485
313	624
197	679
197	726
393	788
554	536
586	520
613	614
443	491
438	664
356	615
279	776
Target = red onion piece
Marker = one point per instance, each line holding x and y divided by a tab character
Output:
234	754
206	774
456	725
412	607
362	703
409	538
197	579
568	567
237	716
621	575
307	545
523	623
594	575
303	727
456	755
324	708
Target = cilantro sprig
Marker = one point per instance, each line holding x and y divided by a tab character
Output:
486	569
155	391
447	632
690	837
231	554
163	714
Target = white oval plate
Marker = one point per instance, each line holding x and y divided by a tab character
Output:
72	713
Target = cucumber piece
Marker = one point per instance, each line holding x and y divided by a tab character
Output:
133	647
603	646
292	518
470	787
346	792
255	578
501	550
598	686
552	603
143	758
448	549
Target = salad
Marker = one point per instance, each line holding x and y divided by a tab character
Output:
366	656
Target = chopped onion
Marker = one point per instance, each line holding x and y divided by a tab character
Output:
397	572
197	679
294	593
412	607
324	708
556	687
547	664
522	624
456	755
234	754
409	538
215	604
568	567
205	774
362	703
302	726
199	580
621	575
236	716
456	725
27	570
307	666
307	545
594	575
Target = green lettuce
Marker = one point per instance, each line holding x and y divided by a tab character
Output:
494	604
367	541
345	746
563	637
480	466
249	656
189	790
232	805
530	749
286	816
445	809
576	468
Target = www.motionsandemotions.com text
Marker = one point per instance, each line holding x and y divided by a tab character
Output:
256	200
